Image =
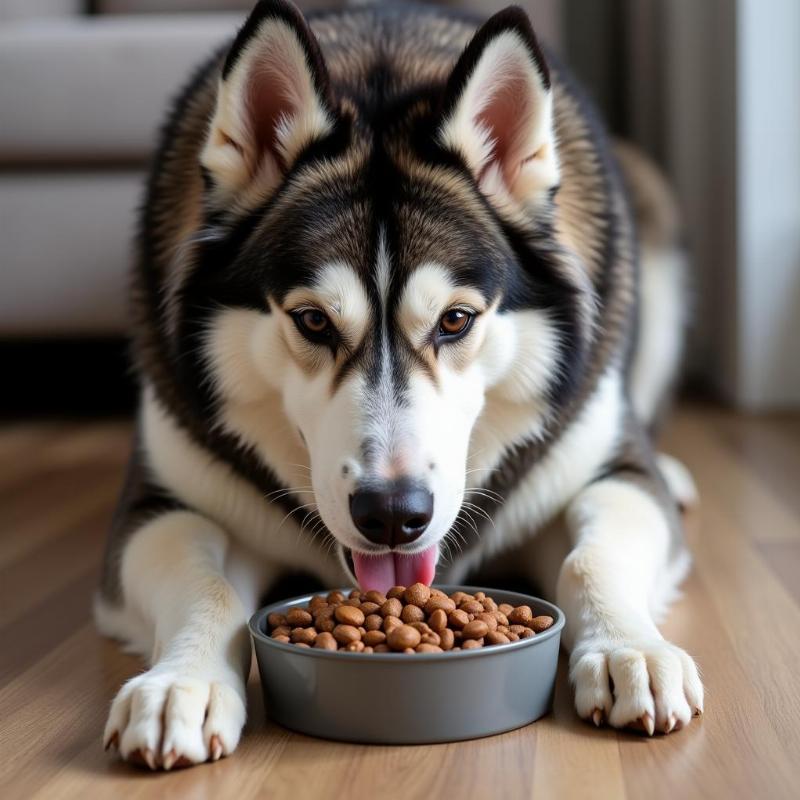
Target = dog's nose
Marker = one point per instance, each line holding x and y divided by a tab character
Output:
394	514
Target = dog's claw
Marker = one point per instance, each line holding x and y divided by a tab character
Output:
648	723
670	724
215	748
170	759
149	757
698	712
597	717
112	741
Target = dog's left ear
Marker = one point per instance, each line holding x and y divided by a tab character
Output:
498	112
273	100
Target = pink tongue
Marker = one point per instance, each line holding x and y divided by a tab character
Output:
392	569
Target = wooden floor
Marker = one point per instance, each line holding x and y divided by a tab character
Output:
740	617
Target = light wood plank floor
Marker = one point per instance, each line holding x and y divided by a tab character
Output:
740	617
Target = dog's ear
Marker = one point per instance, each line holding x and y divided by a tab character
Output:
273	100
498	112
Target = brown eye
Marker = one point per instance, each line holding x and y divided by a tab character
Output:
314	325
454	322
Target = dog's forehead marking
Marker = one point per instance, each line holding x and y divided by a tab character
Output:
428	293
340	292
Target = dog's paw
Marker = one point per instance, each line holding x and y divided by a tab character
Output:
165	720
648	685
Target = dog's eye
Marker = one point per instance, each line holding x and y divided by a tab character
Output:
455	322
314	325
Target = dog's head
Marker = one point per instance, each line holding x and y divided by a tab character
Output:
383	302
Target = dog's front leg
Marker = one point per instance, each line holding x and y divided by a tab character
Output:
189	707
621	556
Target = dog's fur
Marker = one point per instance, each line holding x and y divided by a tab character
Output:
383	165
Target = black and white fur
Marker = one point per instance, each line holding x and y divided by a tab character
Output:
383	166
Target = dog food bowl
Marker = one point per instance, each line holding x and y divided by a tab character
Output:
398	698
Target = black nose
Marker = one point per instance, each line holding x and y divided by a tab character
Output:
394	514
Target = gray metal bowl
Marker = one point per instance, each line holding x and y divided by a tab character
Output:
395	698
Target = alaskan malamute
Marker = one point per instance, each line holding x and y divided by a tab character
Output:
388	327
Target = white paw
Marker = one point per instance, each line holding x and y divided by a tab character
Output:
164	719
649	684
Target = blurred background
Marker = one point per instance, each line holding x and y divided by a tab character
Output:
710	89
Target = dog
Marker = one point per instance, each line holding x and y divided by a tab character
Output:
394	321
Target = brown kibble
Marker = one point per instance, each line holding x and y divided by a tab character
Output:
344	634
418	594
495	637
476	629
422	627
349	615
306	635
521	615
489	619
391	622
445	603
438	620
325	641
374	622
412	613
541	623
298	618
276	620
458	619
405	620
391	608
325	622
372	638
403	637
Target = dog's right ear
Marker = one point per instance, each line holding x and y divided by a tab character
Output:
273	101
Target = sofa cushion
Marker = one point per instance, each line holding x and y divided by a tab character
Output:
67	244
169	6
25	9
97	88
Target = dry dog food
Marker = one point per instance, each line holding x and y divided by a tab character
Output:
416	619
